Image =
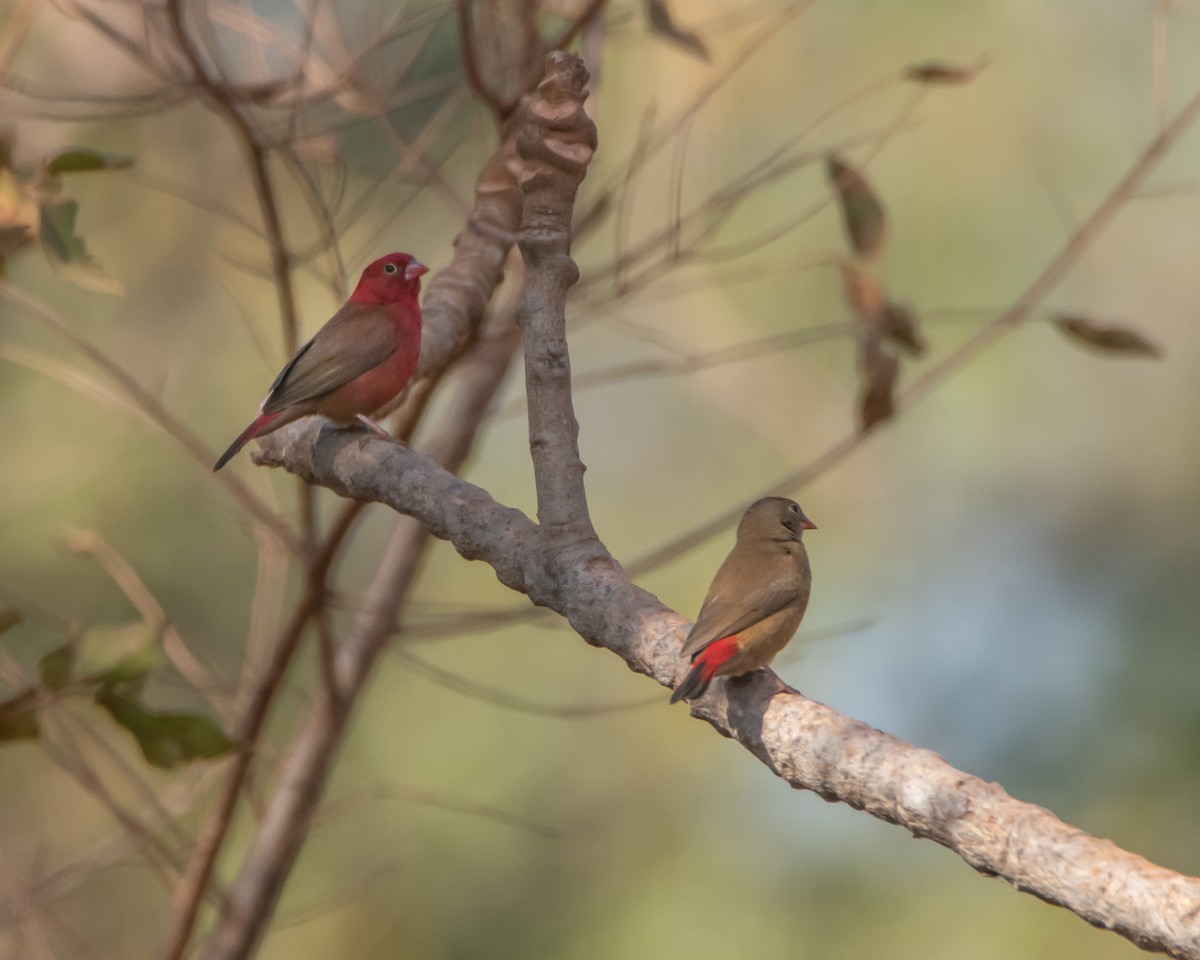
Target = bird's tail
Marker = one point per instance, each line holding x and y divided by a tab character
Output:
704	668
263	423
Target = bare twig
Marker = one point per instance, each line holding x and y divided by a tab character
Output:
151	407
226	103
1125	191
92	544
455	301
305	771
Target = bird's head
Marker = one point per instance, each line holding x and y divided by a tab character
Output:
389	279
775	518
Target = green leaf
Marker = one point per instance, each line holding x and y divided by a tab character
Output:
58	232
18	717
67	250
55	668
85	160
862	213
123	652
9	618
1106	338
166	739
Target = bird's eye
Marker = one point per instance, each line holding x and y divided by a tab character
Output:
794	507
390	268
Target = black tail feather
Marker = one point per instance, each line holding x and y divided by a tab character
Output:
693	685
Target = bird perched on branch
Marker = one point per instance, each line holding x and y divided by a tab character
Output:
358	362
756	600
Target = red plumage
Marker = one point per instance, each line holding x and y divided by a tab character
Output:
358	362
705	667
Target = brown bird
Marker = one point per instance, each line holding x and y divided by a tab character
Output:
756	600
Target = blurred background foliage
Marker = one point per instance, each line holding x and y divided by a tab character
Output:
1007	574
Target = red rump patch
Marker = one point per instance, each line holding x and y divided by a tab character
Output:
717	653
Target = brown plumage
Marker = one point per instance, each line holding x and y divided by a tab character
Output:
756	600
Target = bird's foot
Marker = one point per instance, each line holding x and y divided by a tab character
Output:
374	427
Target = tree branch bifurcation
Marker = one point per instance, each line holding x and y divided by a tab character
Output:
808	745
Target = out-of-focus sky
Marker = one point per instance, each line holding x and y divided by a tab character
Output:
1017	550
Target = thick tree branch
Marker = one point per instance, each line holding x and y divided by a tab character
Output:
557	144
805	743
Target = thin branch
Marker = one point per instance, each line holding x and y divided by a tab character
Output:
151	407
453	306
1125	191
305	770
469	52
501	698
193	887
122	573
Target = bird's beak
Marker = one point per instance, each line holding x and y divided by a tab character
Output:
806	524
415	270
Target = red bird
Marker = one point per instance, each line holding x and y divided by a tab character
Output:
756	600
358	362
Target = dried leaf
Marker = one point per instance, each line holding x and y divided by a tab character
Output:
1106	338
57	667
18	717
862	213
85	160
880	369
864	292
937	73
900	326
167	738
662	22
9	618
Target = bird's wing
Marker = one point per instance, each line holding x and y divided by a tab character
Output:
724	613
356	339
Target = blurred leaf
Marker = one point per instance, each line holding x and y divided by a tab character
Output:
68	251
662	22
862	213
880	370
864	292
937	73
1106	338
19	215
166	739
123	652
55	668
58	231
9	618
900	326
18	717
85	160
